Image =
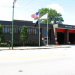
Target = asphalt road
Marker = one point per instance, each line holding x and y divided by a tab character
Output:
59	61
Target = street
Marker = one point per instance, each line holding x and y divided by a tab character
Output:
57	61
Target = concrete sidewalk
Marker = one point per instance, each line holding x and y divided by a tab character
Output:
36	47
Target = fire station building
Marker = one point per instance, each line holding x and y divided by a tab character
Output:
60	33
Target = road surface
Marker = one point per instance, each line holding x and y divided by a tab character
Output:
59	61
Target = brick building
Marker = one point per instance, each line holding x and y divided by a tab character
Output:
56	33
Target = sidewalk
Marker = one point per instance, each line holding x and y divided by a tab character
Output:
36	47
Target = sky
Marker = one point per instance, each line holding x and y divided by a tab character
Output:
25	8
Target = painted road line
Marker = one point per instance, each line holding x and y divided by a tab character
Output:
29	56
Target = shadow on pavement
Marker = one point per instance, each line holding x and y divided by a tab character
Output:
21	49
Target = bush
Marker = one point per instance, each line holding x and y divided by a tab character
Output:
19	44
26	44
31	44
4	45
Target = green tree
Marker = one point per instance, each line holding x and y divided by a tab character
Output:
1	35
23	34
53	16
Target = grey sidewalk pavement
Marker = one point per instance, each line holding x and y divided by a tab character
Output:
36	47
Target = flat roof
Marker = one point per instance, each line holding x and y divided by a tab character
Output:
64	26
30	24
22	23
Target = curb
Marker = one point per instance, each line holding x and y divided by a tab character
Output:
34	48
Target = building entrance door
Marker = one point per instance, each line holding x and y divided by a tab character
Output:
60	37
71	38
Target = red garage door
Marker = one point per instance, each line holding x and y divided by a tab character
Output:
60	30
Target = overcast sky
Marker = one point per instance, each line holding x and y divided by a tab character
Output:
24	9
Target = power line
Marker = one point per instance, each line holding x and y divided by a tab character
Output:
22	2
64	3
25	5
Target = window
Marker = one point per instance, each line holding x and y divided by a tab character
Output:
19	29
35	31
31	30
5	29
15	29
8	31
45	31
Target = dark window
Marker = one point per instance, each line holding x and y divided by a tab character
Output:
45	31
8	30
5	29
37	31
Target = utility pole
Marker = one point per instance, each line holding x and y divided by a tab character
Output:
47	28
12	23
39	32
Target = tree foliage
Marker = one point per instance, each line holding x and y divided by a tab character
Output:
53	16
1	34
23	34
